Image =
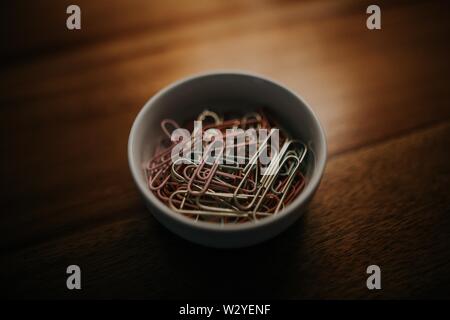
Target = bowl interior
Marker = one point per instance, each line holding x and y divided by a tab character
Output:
225	92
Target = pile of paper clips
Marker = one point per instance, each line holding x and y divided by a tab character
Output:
230	192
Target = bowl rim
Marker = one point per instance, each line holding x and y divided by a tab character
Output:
202	225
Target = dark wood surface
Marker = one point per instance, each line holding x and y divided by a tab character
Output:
69	98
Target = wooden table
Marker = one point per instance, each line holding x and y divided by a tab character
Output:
69	98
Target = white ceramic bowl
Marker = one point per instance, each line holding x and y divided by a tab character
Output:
184	100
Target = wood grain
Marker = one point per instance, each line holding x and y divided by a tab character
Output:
387	214
69	99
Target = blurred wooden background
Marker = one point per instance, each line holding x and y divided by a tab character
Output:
69	98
